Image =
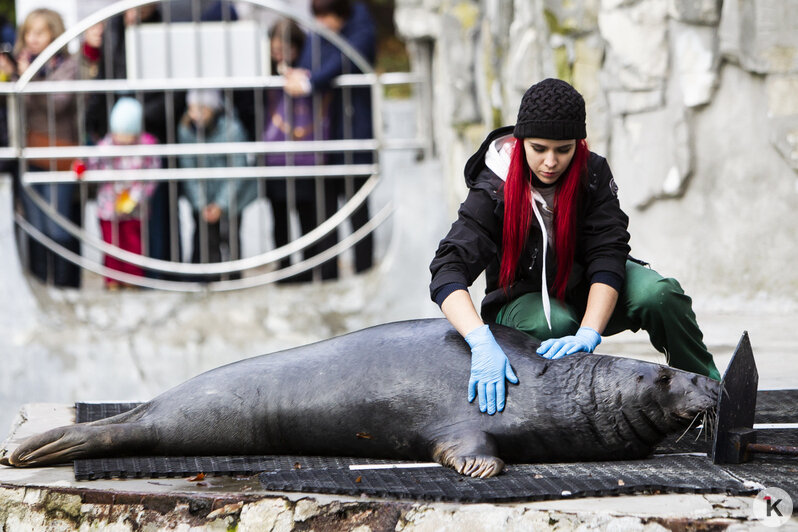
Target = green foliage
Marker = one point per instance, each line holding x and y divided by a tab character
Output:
7	9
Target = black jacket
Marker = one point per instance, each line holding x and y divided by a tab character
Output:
473	243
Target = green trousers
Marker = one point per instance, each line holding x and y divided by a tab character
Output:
647	301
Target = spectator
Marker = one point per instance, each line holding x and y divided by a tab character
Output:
216	204
163	241
350	109
8	70
40	28
292	119
90	49
119	204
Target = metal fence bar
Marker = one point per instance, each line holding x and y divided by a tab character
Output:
330	224
187	174
206	82
193	286
198	148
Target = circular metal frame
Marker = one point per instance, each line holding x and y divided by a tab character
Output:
25	85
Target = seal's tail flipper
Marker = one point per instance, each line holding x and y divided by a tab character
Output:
52	447
70	442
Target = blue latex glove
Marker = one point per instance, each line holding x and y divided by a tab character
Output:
586	339
489	368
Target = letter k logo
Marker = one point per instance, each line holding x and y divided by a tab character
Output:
772	506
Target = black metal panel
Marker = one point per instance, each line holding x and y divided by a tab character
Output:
737	401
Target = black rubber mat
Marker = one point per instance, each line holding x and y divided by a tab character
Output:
525	482
773	471
93	411
184	466
776	406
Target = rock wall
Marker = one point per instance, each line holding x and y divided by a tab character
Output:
694	103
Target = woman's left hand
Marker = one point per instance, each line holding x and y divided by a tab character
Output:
585	340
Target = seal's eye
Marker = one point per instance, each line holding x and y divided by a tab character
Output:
663	379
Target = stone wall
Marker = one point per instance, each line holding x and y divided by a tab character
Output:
694	103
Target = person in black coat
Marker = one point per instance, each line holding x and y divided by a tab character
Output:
543	220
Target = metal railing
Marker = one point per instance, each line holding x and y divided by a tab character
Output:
43	176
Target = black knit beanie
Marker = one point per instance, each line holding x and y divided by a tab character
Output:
551	109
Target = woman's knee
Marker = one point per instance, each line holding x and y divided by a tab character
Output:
660	296
526	314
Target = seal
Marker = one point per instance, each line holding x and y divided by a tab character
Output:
396	391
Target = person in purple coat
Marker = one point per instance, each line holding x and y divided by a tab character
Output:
350	113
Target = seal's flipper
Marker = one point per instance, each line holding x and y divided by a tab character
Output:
71	442
469	452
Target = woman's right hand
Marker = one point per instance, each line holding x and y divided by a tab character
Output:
489	368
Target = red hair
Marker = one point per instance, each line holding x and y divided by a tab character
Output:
518	215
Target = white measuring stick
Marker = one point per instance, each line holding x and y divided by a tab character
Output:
765	426
358	467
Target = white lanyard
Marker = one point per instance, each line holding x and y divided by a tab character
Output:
544	283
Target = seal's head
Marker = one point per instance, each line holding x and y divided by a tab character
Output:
680	397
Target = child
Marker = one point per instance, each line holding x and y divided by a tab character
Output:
119	203
212	200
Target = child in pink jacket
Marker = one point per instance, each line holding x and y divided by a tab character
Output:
119	203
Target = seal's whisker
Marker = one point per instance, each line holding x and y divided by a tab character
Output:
702	426
726	392
688	427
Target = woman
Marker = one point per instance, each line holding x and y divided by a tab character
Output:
50	120
291	118
542	216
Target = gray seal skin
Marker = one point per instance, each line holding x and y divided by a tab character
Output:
399	391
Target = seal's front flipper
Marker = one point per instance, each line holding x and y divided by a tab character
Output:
471	453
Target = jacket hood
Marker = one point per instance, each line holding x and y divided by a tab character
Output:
487	153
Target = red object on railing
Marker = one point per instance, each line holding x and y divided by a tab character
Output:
78	167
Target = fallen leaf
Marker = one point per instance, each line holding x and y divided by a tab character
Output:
198	477
358	479
297	465
363	435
